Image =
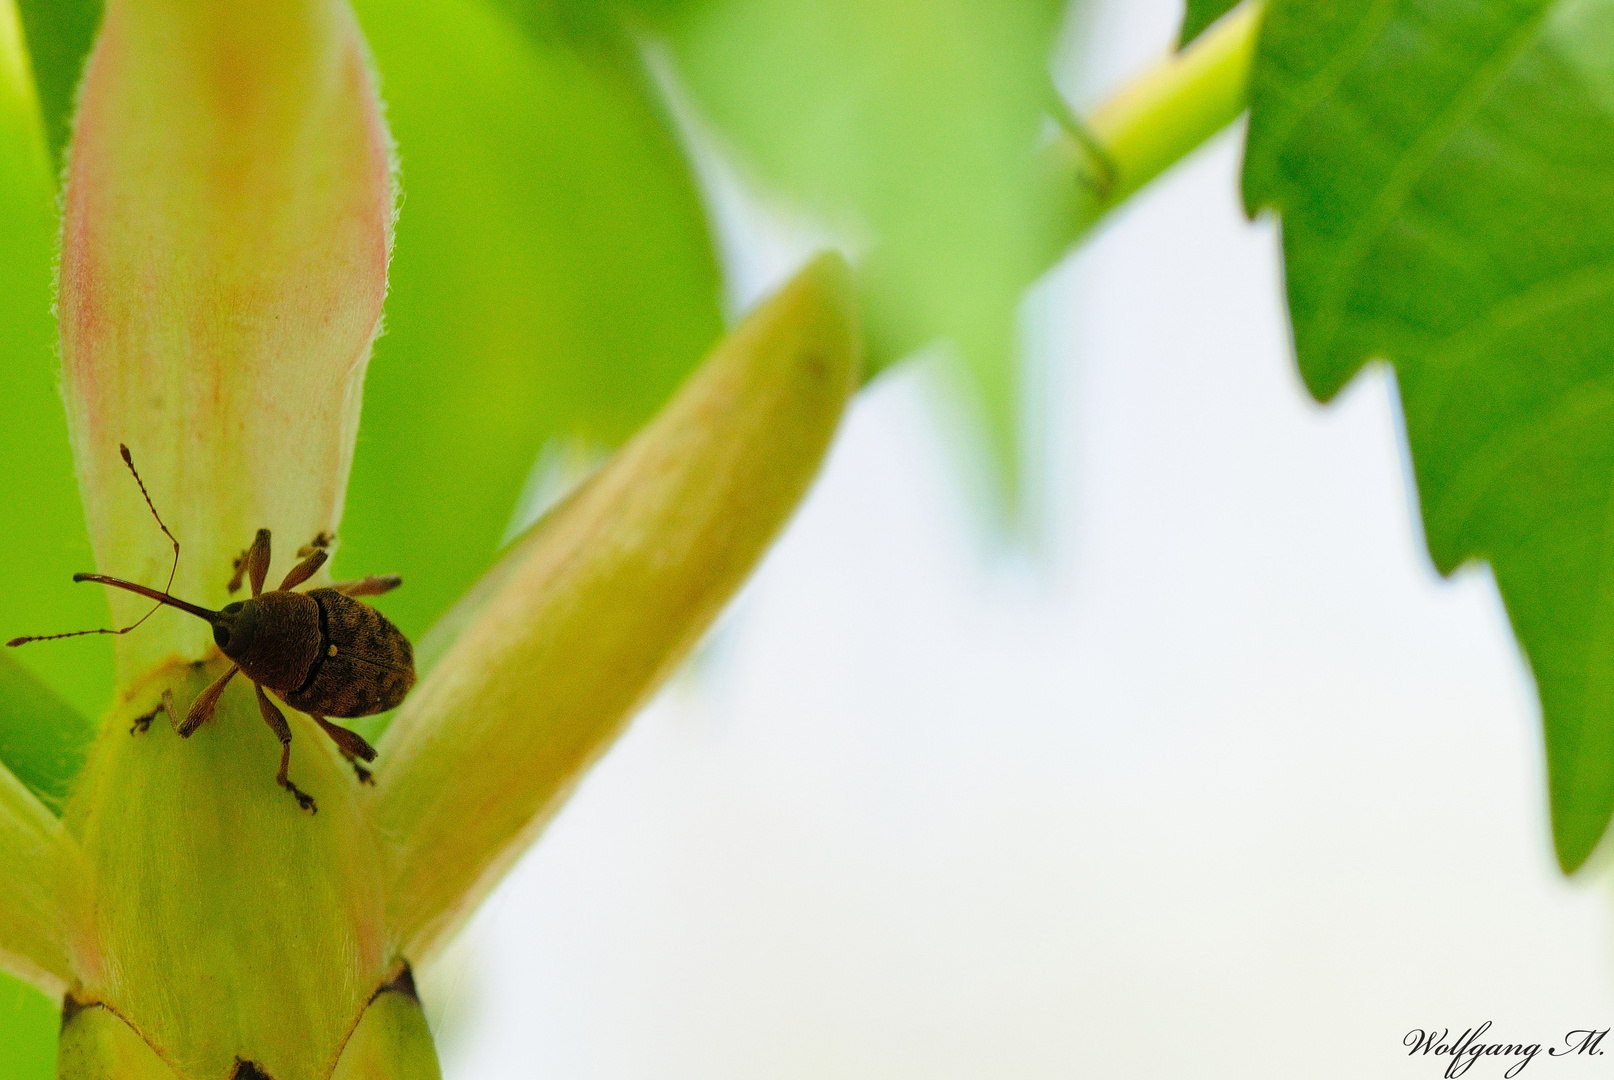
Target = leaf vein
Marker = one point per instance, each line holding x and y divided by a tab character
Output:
1327	78
1413	163
1540	301
1483	468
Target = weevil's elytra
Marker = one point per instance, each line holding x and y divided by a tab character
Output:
323	652
367	665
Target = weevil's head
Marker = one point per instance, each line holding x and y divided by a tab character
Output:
236	630
274	638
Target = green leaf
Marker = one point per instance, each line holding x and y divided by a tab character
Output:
59	34
1199	16
44	522
43	740
1445	174
914	124
28	1025
40	872
552	279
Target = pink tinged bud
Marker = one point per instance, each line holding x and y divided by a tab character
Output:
228	219
586	613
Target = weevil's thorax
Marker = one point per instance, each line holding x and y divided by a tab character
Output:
275	638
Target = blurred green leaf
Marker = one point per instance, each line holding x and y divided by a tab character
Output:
916	123
28	1025
552	279
1199	15
44	523
43	740
1445	174
58	34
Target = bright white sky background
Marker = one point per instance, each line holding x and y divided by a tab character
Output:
1222	782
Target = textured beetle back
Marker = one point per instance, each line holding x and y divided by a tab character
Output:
365	667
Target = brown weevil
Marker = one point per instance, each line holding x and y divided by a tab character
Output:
323	652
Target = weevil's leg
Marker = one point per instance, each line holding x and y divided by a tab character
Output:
277	723
244	561
254	563
143	723
320	542
352	745
374	585
305	569
201	710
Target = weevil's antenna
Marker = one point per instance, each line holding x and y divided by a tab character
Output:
161	597
172	570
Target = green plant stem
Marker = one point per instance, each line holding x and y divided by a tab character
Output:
1163	114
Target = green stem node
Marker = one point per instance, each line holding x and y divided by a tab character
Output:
1164	113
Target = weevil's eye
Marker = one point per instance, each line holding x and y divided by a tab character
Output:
221	635
231	609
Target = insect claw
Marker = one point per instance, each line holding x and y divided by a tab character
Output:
321	542
304	800
142	724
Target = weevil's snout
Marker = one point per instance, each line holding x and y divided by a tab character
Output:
235	631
